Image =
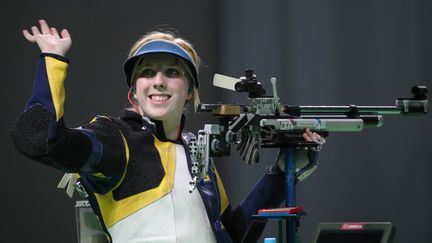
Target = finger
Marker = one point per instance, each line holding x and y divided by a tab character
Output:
309	133
35	31
65	33
54	32
28	36
316	136
307	137
44	27
322	141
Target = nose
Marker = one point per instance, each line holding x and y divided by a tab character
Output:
159	80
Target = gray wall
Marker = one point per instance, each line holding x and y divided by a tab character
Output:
322	52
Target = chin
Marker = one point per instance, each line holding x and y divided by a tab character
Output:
159	116
156	117
162	114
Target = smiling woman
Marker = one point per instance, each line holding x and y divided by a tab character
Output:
136	169
161	90
163	42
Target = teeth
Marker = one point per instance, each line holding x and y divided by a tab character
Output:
159	97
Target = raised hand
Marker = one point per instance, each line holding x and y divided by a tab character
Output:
48	38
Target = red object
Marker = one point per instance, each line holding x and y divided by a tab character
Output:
282	210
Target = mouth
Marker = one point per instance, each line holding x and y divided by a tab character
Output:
159	97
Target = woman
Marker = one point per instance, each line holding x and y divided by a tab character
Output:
136	168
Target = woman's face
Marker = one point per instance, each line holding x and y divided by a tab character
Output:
161	87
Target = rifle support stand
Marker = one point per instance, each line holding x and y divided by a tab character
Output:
291	214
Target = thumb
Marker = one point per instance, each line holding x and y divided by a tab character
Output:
65	33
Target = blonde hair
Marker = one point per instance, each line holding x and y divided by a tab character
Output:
187	46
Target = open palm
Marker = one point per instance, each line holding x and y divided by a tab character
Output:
48	39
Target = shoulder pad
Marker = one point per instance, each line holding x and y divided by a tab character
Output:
99	118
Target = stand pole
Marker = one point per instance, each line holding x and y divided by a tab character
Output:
290	200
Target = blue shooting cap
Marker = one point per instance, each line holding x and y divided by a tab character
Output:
160	46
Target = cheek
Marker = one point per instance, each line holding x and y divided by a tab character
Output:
140	86
183	86
143	82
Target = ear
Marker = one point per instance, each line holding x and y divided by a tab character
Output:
190	92
133	91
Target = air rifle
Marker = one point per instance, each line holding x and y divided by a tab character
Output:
267	123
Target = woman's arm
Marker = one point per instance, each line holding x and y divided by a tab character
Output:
40	131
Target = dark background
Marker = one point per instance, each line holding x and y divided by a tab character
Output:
322	52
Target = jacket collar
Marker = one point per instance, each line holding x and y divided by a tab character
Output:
137	122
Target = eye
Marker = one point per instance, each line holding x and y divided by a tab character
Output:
172	72
148	73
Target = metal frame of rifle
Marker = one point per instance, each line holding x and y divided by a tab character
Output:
274	125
